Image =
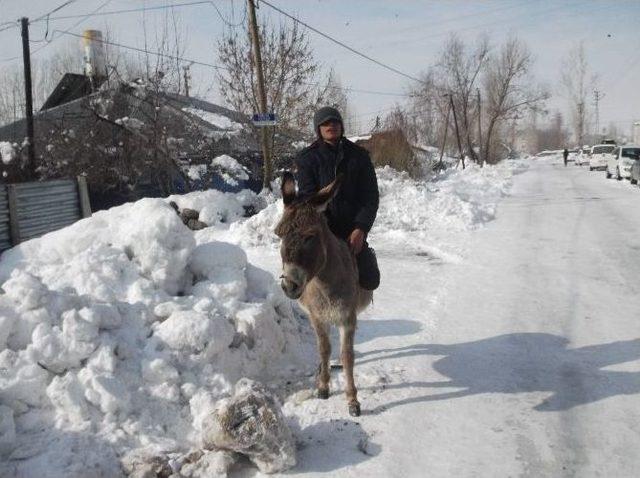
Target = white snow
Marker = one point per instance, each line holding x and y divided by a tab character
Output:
120	328
120	334
7	152
230	169
218	120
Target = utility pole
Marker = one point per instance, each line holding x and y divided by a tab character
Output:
444	140
597	96
455	122
479	128
581	124
28	95
186	80
266	153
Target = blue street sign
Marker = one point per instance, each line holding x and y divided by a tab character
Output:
265	119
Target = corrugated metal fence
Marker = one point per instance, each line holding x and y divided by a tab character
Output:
29	210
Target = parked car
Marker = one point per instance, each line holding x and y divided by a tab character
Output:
620	160
573	154
583	155
598	156
634	175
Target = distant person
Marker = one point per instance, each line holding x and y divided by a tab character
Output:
565	154
351	213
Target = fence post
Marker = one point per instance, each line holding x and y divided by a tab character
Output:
14	224
83	196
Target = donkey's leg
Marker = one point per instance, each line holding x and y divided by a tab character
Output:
324	349
346	344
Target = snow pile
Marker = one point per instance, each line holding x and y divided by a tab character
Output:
7	152
417	213
218	120
120	333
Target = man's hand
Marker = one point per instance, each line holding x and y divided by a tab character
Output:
356	240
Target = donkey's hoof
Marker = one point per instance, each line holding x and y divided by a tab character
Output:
323	393
354	409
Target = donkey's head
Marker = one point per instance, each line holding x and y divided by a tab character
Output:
303	232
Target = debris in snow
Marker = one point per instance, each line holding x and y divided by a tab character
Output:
7	152
206	464
251	423
189	217
140	465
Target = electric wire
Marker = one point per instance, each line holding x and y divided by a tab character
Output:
134	10
342	44
219	67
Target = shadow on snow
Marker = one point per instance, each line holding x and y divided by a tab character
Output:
520	363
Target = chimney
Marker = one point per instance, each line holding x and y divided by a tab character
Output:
94	62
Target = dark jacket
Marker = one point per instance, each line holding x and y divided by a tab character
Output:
356	204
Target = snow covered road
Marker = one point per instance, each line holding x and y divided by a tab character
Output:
522	359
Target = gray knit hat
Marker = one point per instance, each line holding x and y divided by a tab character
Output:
326	113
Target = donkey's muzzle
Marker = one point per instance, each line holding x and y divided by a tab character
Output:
292	289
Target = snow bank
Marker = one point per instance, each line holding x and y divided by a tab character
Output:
119	333
412	212
421	215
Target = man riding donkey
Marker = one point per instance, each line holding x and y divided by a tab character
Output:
327	263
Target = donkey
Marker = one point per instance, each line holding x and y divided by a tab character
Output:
320	272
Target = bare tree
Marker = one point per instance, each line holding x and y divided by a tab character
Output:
456	73
577	84
290	75
508	89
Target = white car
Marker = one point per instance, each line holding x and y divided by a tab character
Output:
620	161
583	156
598	157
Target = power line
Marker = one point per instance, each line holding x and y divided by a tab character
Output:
84	17
41	17
58	8
219	67
149	52
343	45
133	10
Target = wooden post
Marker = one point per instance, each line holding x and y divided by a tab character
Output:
14	224
444	141
28	95
479	129
455	122
266	153
83	196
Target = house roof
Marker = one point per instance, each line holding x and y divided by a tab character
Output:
71	87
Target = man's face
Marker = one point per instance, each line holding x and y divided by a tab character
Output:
331	130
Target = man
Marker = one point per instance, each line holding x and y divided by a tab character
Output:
565	154
351	213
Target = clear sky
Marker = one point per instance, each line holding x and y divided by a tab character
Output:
406	34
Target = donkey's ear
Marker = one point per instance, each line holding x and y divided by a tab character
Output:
326	194
288	188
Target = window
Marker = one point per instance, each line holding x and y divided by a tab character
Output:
633	153
603	149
